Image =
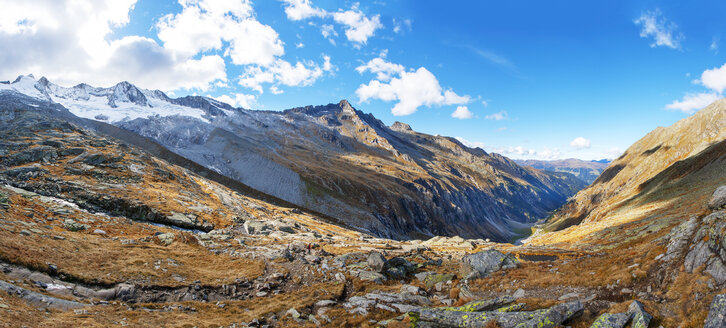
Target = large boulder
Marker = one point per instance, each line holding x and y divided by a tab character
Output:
481	264
546	318
376	261
718	199
717	315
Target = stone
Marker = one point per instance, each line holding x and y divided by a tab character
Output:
99	232
324	303
256	227
376	261
72	225
717	314
546	318
483	305
481	264
611	320
165	239
569	296
293	313
641	319
433	279
370	276
718	199
519	293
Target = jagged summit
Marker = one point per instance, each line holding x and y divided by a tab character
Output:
401	127
122	101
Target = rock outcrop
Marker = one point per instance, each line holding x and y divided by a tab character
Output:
481	264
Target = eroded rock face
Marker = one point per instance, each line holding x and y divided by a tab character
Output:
718	199
717	315
481	264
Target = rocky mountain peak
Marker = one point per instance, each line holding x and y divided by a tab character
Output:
345	106
401	127
126	92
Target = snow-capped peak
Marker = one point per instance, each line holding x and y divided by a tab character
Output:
123	101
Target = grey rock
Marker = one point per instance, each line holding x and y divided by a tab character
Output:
165	239
641	319
611	320
256	227
25	172
718	199
717	314
481	264
39	299
369	276
519	293
679	238
325	303
376	261
547	318
72	225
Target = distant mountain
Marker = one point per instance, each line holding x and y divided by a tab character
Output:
389	181
586	171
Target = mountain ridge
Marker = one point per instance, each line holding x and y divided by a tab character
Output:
339	161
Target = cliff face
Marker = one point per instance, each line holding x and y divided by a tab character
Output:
391	181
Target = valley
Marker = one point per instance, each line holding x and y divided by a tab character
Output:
324	216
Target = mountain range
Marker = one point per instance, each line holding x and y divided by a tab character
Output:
586	171
386	180
124	207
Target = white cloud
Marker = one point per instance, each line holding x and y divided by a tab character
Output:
485	103
663	32
462	113
400	25
207	24
528	153
239	100
383	69
471	144
693	101
497	116
78	34
328	32
412	89
299	45
359	26
302	9
715	78
580	143
70	42
613	153
282	72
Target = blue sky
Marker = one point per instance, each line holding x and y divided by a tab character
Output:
528	79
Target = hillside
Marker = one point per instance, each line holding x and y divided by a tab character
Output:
333	159
586	171
667	175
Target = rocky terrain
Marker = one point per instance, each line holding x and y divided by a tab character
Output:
100	227
389	181
586	171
